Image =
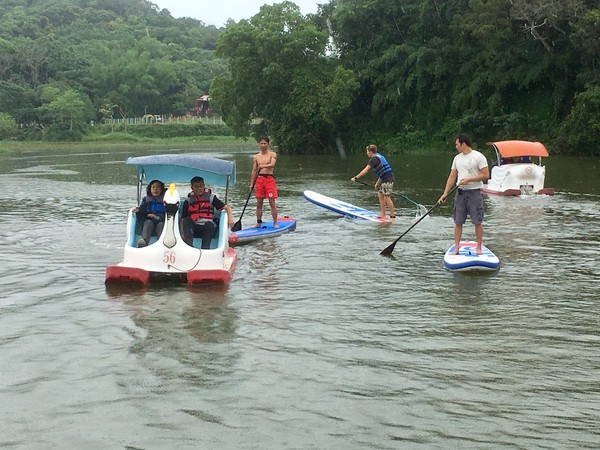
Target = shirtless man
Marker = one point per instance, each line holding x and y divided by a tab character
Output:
263	165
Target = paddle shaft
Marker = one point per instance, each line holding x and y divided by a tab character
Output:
238	225
389	249
395	193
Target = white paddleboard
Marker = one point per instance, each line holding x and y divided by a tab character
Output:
343	208
468	260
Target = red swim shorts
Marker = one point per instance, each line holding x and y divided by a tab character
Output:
266	187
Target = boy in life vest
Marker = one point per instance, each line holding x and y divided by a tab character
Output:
385	179
199	212
151	212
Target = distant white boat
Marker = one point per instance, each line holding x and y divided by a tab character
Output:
168	256
514	172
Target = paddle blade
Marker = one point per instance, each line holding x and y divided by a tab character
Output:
421	211
389	249
237	226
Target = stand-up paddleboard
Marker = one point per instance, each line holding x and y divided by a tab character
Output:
343	208
468	260
266	230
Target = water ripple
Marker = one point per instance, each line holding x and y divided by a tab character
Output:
319	342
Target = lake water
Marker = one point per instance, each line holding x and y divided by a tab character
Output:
318	342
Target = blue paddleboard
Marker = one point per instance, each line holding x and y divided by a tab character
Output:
343	208
266	230
468	260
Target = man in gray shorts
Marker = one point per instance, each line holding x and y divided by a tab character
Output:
468	201
469	170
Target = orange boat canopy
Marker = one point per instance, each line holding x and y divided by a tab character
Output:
509	149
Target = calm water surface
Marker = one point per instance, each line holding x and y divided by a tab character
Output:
319	342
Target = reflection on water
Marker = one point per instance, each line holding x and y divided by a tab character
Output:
262	271
318	342
181	335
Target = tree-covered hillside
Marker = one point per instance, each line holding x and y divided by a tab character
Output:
90	59
400	73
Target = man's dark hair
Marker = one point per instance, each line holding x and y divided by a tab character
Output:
464	139
197	180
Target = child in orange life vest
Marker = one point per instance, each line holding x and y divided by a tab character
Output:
198	213
151	212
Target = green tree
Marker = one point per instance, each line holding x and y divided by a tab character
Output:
18	100
127	53
493	68
63	107
282	82
8	126
580	133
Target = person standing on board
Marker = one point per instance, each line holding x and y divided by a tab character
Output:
385	180
469	170
263	165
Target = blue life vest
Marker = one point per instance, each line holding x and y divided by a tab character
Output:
383	167
156	206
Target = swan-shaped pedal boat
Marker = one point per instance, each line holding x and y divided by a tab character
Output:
168	256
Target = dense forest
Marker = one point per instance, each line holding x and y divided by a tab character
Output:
65	63
412	73
402	73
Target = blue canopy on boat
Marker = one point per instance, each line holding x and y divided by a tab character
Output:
182	168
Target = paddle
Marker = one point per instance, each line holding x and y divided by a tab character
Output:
420	208
390	248
238	225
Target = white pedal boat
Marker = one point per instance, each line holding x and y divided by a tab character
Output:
168	256
514	173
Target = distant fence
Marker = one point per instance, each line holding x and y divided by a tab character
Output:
157	119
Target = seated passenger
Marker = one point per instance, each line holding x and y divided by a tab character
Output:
199	213
151	212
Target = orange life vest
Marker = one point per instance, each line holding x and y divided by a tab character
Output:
200	206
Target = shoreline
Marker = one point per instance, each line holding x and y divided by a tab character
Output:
181	143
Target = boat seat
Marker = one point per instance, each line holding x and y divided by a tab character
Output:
138	232
197	241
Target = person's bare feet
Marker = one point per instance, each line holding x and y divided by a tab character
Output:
478	250
275	225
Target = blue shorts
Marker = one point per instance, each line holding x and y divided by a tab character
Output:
468	202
